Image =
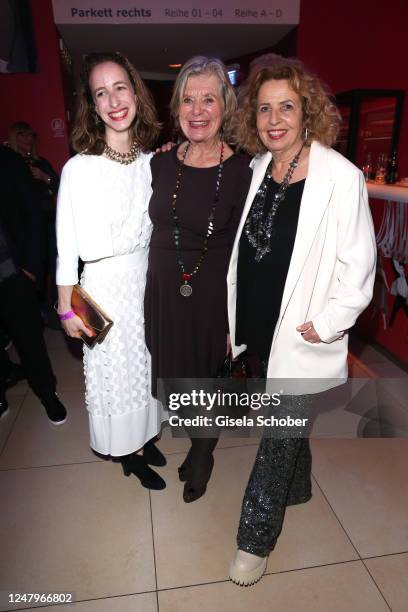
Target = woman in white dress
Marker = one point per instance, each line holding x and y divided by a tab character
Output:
102	218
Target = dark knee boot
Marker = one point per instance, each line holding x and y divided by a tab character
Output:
199	468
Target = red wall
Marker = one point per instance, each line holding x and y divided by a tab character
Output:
350	44
363	44
358	44
38	98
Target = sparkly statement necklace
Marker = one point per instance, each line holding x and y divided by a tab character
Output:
186	289
122	158
258	227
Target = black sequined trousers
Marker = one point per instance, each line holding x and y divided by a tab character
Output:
281	476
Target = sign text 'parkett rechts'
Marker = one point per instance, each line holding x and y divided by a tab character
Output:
177	11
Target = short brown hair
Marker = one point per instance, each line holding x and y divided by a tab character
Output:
88	134
320	115
21	127
197	66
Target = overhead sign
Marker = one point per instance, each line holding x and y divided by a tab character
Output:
260	12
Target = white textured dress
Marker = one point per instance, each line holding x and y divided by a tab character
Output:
122	413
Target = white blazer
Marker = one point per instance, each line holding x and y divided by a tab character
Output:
331	272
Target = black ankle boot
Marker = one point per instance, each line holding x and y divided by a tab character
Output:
196	484
137	465
185	468
199	451
200	466
152	454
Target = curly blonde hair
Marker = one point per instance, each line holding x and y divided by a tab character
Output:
320	115
88	134
197	66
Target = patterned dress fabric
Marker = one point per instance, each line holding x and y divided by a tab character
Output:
280	477
122	413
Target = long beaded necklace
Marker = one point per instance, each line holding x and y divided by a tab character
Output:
186	289
122	158
258	227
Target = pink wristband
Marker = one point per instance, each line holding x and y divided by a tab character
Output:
67	315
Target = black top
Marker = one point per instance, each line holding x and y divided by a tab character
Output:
194	202
260	285
19	216
45	193
7	266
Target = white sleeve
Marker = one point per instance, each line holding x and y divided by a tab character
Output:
67	260
356	261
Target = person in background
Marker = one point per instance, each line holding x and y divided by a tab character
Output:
302	270
20	314
102	218
23	140
10	374
199	188
14	372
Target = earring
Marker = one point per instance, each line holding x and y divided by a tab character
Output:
97	118
305	135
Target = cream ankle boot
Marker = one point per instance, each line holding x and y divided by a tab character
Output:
246	569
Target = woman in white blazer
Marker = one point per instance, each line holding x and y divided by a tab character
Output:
301	271
102	218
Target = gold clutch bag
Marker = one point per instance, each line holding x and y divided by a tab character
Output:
92	315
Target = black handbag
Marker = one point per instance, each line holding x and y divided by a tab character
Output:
232	368
232	383
243	366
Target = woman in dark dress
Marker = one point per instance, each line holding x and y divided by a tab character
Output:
199	189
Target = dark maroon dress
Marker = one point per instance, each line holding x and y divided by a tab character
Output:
186	336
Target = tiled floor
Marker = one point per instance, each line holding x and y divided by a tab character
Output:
71	522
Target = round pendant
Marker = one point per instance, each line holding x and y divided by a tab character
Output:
186	290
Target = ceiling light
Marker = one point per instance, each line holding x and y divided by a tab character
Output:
174	65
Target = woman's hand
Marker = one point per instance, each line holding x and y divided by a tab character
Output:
73	328
39	174
308	332
166	147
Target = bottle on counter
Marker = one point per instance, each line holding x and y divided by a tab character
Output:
392	169
381	169
367	168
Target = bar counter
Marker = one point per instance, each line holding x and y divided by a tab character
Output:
392	193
